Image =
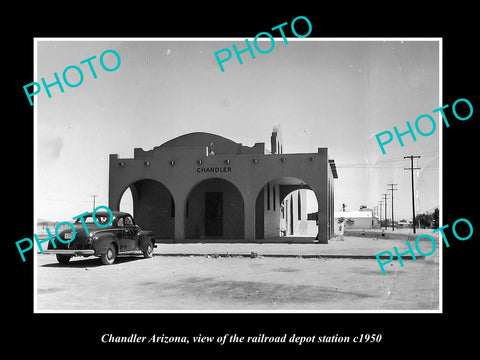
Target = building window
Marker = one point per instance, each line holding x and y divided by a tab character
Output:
268	196
299	207
274	197
172	206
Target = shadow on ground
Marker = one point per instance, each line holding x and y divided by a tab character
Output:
93	262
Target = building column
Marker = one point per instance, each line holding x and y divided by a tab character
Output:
180	201
332	209
249	219
322	217
114	183
113	202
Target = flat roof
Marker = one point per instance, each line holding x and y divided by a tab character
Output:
354	214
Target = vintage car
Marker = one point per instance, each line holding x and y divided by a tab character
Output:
121	236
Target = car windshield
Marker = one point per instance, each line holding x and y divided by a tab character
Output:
102	220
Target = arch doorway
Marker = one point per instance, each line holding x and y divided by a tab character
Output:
152	206
214	210
286	207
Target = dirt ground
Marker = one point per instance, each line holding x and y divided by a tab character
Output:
206	283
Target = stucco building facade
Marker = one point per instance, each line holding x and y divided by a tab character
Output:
202	186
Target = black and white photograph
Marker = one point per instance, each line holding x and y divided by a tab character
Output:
261	187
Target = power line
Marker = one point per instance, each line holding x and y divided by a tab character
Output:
411	157
392	189
381	162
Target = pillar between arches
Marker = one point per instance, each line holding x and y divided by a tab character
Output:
249	218
180	200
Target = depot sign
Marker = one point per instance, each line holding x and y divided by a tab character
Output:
214	169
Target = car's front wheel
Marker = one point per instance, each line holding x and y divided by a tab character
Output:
63	259
110	255
148	252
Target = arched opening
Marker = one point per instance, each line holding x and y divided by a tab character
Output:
152	206
286	209
299	211
126	202
214	210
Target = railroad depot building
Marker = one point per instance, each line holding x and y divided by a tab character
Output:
204	187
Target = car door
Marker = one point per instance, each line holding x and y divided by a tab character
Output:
129	234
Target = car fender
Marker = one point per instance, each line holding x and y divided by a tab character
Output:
102	242
144	237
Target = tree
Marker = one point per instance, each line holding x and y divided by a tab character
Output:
428	220
435	218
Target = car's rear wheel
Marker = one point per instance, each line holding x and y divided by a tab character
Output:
63	259
148	252
110	255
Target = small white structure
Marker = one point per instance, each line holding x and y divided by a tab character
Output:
404	223
358	219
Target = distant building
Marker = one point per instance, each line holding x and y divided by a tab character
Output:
205	187
404	223
363	219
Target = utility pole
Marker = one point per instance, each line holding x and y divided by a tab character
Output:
385	199
411	157
380	203
94	196
392	189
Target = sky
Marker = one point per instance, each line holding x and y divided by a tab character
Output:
334	94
